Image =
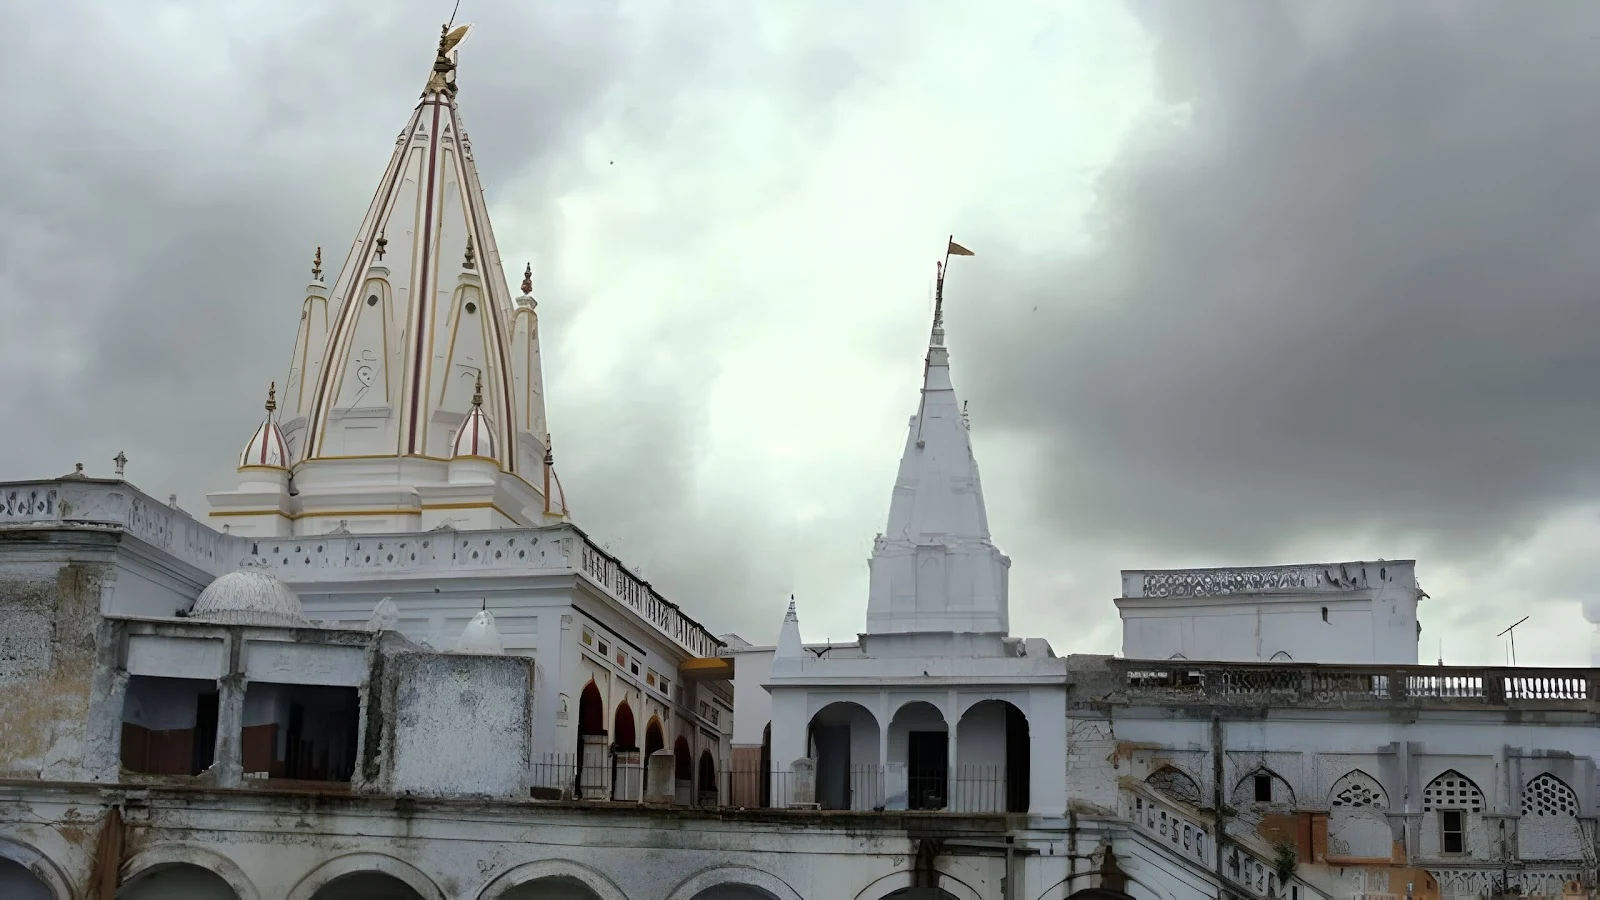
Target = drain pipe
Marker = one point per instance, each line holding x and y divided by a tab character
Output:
1217	775
1007	887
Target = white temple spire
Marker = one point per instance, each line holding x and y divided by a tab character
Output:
934	568
390	350
789	644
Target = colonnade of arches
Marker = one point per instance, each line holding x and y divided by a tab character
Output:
615	769
916	762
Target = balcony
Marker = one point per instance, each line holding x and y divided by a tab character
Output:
1189	683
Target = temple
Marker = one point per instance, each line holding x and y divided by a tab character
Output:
388	664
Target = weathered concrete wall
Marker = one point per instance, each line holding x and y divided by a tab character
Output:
461	725
51	616
286	846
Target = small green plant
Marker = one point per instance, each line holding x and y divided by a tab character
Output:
1284	862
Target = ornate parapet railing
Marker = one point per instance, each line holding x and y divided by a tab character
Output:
637	594
1185	683
1320	578
114	505
1192	835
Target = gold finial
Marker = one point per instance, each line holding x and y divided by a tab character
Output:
272	397
316	266
527	279
477	391
444	64
383	244
549	450
471	261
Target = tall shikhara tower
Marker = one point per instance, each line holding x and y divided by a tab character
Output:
388	362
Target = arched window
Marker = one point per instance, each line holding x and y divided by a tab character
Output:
1357	789
1548	795
1263	787
1175	783
1452	790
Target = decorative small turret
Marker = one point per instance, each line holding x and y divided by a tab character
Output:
481	636
476	437
267	448
526	301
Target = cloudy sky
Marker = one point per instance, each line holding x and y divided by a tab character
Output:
1255	283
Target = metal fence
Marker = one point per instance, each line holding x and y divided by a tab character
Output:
623	777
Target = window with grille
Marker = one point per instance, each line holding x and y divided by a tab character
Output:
1452	790
1548	795
1175	784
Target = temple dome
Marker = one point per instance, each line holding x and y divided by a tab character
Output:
476	437
249	597
267	447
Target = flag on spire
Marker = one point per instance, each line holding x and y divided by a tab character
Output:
956	249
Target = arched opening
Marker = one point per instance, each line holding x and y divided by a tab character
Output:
627	768
1357	825
623	729
366	886
1452	804
592	768
176	880
1099	894
558	887
993	754
766	765
1175	784
654	738
843	739
921	893
1549	825
735	892
707	779
17	883
920	737
682	772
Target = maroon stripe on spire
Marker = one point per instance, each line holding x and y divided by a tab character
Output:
424	295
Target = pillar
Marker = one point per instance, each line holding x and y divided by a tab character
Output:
229	763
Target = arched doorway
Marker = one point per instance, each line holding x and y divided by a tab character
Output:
558	887
17	883
707	779
920	737
683	771
627	769
176	880
843	739
992	755
654	738
592	769
366	886
766	766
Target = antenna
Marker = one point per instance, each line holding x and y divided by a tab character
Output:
453	15
1511	631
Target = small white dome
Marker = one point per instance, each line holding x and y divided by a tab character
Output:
385	616
267	448
480	636
249	597
476	437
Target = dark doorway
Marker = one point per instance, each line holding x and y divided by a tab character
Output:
927	765
833	780
653	739
205	733
1017	757
766	766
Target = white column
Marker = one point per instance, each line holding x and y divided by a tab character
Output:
1047	752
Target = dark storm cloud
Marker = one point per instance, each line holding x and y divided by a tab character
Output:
1351	287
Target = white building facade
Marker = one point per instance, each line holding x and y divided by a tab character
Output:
389	665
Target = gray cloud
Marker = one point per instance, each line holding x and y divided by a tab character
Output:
1336	298
1347	288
